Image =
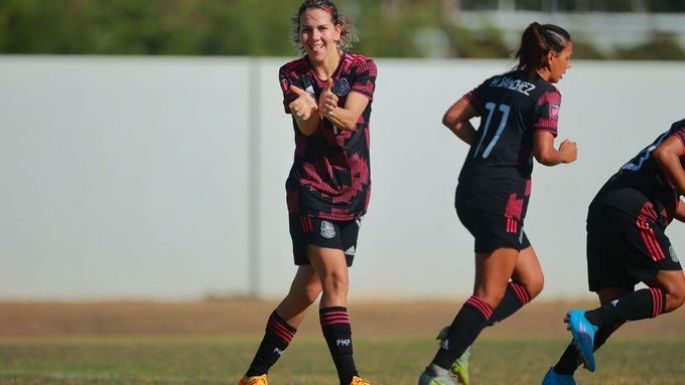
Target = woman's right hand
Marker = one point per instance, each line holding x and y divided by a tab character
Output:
304	106
545	152
569	151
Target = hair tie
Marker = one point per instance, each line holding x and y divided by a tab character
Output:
328	9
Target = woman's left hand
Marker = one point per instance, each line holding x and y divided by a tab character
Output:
328	101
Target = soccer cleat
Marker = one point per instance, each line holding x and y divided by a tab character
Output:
359	381
583	332
256	380
429	377
552	378
460	369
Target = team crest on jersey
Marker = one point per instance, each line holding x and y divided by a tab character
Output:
554	110
327	229
342	87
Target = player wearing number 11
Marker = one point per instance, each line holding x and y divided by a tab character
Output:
518	111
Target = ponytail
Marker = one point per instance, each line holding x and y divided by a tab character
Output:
537	40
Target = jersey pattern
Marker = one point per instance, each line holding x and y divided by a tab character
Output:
330	177
640	188
496	175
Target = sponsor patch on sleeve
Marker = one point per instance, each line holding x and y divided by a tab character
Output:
285	84
554	111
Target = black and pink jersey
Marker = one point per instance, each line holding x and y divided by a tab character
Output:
330	176
640	188
496	174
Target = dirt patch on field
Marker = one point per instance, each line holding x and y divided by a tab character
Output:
248	317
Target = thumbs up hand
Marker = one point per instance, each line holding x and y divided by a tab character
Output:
328	101
304	105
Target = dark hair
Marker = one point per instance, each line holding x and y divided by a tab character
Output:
347	36
537	40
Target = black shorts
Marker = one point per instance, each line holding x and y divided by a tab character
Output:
492	231
306	231
623	250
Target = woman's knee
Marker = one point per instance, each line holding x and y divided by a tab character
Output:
305	292
534	287
335	283
311	293
673	283
675	296
492	296
528	273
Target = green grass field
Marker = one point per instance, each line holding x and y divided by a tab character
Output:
384	361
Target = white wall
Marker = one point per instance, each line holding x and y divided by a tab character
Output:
128	177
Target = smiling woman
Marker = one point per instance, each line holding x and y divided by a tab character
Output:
328	92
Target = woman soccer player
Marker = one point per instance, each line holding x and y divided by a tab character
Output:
328	93
519	112
626	244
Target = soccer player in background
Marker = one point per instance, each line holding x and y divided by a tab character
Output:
328	93
626	244
519	113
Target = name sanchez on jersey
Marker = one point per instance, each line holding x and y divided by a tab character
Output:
517	85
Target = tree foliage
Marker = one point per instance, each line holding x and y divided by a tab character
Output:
416	28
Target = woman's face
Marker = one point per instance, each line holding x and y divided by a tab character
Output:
318	35
559	63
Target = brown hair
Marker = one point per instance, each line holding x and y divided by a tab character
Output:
347	36
537	40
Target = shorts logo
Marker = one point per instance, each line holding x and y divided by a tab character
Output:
327	229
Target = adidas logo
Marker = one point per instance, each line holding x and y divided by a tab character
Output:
350	251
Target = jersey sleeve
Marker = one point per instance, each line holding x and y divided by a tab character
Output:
678	129
547	112
364	80
475	97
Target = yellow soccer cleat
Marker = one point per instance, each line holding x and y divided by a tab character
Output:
256	380
359	381
460	369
